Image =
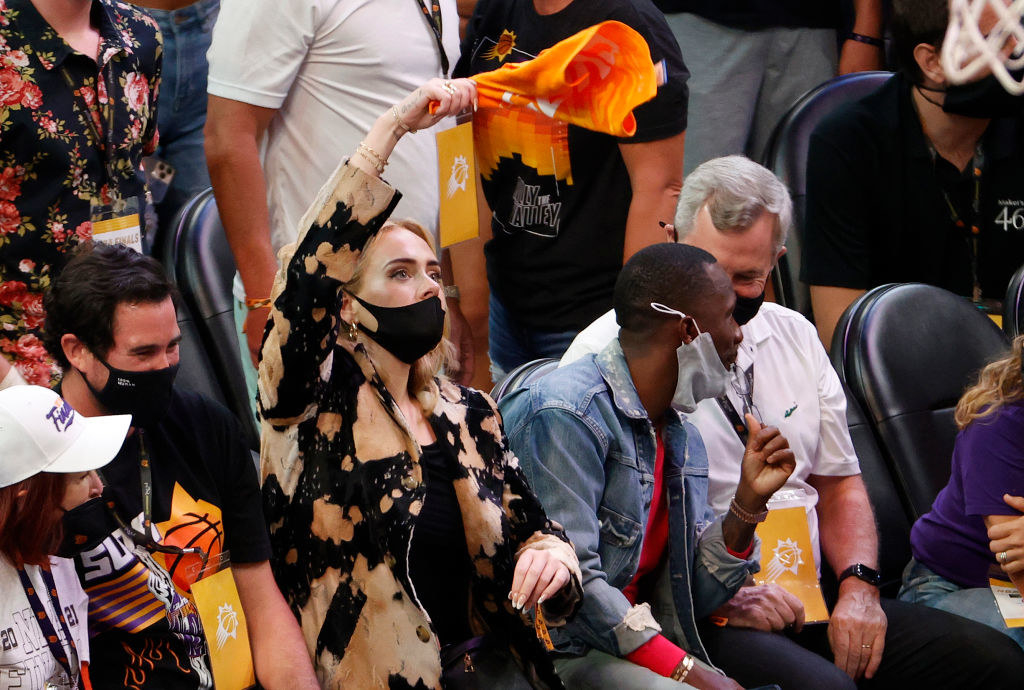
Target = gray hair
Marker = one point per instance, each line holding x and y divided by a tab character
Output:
736	191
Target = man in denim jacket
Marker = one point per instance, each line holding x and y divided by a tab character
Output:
613	461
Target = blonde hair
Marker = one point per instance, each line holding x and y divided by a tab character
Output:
431	365
998	384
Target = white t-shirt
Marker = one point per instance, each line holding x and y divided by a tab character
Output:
25	658
795	389
330	68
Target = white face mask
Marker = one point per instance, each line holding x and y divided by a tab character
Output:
701	373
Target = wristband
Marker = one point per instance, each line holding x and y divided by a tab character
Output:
254	304
869	40
452	292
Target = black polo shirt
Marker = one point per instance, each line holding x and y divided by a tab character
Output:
876	211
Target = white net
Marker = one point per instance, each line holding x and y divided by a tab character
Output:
967	51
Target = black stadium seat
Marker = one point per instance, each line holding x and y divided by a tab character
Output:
907	352
786	156
523	375
1013	305
890	516
196	254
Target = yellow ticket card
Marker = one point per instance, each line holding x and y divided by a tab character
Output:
457	177
787	559
221	612
1008	599
120	230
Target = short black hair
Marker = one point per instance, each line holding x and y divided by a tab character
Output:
915	22
675	275
84	296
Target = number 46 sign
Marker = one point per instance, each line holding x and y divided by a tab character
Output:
1011	219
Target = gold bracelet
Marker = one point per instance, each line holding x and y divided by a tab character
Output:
682	669
745	515
254	304
371	157
398	120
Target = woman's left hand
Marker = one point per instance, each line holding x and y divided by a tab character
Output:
539	576
1006	535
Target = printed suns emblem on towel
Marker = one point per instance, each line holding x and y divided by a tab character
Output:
506	42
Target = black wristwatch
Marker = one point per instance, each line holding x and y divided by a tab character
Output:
862	572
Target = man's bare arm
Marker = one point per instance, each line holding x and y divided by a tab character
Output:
847	532
233	132
278	650
828	304
656	176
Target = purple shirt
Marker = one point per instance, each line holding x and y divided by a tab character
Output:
988	461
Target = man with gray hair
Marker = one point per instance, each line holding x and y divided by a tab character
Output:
740	212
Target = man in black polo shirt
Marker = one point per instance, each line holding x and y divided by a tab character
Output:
919	181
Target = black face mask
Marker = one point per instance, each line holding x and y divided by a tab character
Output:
145	395
985	98
746	308
85	526
407	332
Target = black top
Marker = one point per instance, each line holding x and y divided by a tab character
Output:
206	494
876	212
558	236
761	14
439	564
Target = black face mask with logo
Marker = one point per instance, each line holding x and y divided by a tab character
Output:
145	395
85	526
407	332
985	98
746	308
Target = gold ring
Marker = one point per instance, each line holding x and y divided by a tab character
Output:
1001	557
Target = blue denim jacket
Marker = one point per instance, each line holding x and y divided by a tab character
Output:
588	450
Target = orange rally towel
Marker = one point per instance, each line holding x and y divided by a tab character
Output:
592	79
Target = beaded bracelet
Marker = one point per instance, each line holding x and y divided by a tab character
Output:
745	515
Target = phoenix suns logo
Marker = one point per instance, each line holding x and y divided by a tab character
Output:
500	51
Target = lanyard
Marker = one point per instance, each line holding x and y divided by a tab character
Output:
52	641
433	16
973	228
107	146
145	538
746	394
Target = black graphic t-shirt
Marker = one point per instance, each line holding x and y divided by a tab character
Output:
147	632
560	194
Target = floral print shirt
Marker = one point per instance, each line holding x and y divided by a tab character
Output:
71	130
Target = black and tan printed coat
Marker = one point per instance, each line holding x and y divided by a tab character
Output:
342	484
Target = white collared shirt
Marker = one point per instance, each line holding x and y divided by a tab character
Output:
795	389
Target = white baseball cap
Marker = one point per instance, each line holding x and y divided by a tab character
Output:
40	432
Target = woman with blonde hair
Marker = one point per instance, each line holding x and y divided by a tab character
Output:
404	534
953	556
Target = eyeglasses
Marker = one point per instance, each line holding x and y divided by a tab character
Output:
743	385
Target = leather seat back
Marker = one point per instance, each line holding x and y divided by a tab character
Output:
195	252
786	156
907	351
